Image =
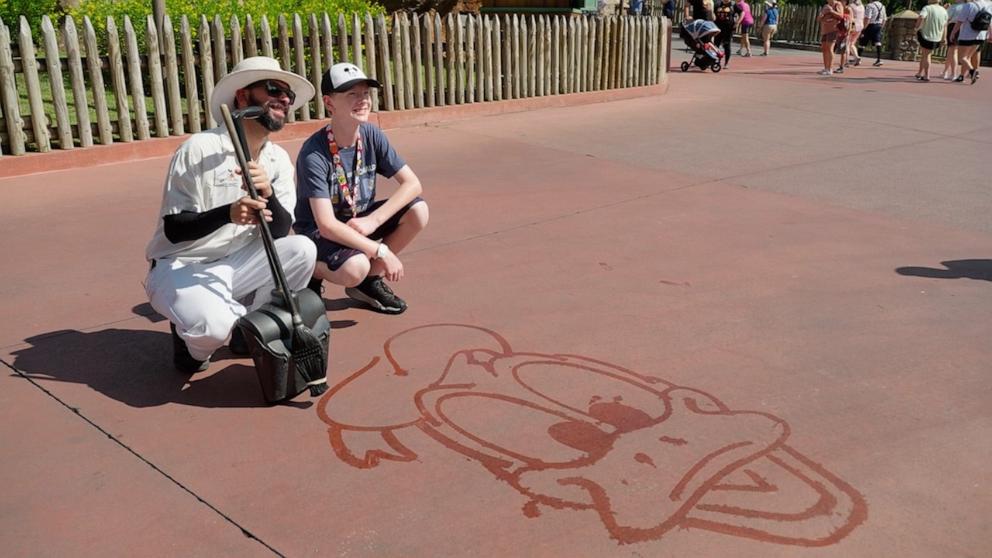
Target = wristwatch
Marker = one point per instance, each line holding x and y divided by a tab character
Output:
381	250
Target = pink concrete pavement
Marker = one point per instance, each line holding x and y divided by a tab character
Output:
709	323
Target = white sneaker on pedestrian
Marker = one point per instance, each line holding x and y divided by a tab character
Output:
825	72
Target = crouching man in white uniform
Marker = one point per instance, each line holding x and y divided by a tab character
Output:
207	258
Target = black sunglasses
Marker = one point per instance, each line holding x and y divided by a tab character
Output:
275	89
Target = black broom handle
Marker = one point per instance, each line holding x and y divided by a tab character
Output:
240	150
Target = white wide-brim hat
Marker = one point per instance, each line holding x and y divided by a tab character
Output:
251	70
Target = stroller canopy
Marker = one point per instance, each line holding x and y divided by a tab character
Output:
700	28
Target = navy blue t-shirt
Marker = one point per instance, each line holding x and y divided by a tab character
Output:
316	177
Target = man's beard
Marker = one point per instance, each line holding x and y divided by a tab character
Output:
266	120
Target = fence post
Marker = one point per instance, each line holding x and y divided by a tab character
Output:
189	77
496	48
327	39
356	41
555	55
450	59
206	67
418	61
220	51
343	39
53	64
525	49
172	77
135	80
266	36
75	62
251	43
408	69
487	57
387	73
469	59
237	51
430	79
439	60
397	57
301	62
8	90
480	50
155	79
370	57
29	66
316	66
117	81
95	67
284	56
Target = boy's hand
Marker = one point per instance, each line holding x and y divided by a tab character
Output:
392	267
364	225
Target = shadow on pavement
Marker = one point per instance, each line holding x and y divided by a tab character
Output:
145	310
135	368
956	269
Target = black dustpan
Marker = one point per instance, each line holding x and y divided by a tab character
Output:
288	337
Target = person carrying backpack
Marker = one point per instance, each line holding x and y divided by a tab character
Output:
875	18
971	29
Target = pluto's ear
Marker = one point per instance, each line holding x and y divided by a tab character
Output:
557	487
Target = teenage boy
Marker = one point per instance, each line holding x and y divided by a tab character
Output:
358	238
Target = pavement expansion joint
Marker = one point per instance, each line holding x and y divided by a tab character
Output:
156	468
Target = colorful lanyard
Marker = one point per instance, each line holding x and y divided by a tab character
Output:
346	190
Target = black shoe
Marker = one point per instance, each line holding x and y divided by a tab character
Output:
238	344
959	79
316	285
183	361
374	292
974	76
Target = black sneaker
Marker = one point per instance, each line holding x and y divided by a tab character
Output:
183	361
374	292
316	285
238	345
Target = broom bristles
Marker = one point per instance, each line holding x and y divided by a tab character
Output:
309	360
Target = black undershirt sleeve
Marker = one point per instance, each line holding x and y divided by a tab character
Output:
189	225
281	218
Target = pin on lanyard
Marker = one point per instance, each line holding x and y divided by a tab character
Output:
348	191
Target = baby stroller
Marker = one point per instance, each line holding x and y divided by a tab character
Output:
698	35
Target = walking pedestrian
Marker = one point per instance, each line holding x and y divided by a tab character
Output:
769	24
843	33
725	17
931	28
951	58
971	30
746	24
858	26
875	19
831	15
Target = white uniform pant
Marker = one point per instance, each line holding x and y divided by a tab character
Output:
201	299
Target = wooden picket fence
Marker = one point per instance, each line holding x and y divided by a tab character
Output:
120	92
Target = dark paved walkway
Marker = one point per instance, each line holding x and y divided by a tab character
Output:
746	318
